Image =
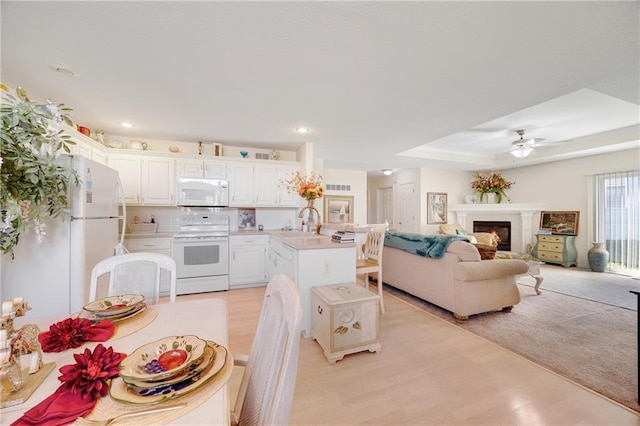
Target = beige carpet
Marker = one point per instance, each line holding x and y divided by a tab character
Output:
591	343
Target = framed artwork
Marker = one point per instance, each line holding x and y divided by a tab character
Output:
436	208
338	209
560	223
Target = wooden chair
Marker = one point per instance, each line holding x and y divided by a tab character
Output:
372	262
135	273
266	391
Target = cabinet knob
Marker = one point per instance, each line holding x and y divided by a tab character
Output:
320	310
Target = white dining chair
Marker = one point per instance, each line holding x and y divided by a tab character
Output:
265	395
135	273
372	262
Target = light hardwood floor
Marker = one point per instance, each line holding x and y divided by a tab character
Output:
428	373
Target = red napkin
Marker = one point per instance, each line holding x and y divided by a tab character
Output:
73	332
83	383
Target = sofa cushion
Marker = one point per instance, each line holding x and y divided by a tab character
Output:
465	251
489	269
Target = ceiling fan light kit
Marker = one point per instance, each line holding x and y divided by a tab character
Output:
523	147
521	152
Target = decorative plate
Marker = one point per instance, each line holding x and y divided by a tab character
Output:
162	359
194	369
114	305
140	307
217	375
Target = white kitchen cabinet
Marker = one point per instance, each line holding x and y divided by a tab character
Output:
154	245
196	168
158	181
258	184
284	197
86	147
264	185
248	261
146	180
99	156
129	168
240	184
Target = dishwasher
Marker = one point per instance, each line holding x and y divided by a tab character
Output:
281	260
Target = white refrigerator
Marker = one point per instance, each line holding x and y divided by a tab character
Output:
53	276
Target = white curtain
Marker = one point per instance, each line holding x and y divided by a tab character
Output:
616	218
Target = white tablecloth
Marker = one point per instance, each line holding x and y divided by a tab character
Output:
205	318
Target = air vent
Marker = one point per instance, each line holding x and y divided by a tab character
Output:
333	187
262	156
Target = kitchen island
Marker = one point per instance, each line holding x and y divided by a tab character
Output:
310	260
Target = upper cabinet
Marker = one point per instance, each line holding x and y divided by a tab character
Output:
146	180
158	181
196	168
129	168
258	184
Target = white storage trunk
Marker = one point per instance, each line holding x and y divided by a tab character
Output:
345	320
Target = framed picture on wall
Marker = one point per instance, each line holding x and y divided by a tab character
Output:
338	209
560	223
436	208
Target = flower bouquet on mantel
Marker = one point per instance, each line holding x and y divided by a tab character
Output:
494	183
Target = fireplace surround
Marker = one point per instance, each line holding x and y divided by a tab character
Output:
521	217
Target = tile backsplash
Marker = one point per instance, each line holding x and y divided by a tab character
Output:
166	217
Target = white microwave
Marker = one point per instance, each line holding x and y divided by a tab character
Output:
202	192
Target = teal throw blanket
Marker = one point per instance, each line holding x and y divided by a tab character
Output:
433	246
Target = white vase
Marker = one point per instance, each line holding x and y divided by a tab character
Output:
488	198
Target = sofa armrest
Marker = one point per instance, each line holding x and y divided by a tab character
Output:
489	269
466	252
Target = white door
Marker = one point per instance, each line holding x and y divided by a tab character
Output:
407	206
385	205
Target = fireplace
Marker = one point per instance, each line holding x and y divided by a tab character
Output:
501	229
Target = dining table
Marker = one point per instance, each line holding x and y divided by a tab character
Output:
205	318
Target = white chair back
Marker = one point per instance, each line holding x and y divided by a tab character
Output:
374	245
266	392
135	273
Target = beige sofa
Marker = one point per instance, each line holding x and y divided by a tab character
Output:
459	282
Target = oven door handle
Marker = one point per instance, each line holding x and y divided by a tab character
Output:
200	239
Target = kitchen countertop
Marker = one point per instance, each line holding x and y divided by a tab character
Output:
307	241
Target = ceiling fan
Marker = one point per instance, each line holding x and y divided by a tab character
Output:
522	147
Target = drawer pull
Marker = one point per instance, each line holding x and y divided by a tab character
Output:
320	310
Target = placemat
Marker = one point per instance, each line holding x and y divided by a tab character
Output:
108	408
133	324
29	385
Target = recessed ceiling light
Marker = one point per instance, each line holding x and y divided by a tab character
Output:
387	172
303	130
125	124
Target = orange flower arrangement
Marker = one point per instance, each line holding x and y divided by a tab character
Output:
308	188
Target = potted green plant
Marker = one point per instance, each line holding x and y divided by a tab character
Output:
33	186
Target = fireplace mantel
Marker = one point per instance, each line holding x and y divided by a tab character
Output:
492	208
525	211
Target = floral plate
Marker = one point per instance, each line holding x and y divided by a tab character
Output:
114	305
217	374
146	362
195	368
140	307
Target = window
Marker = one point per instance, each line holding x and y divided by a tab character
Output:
616	207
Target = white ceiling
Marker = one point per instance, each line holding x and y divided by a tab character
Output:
445	84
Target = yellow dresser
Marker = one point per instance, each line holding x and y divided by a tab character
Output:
560	249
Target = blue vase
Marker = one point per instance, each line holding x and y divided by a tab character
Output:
598	257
